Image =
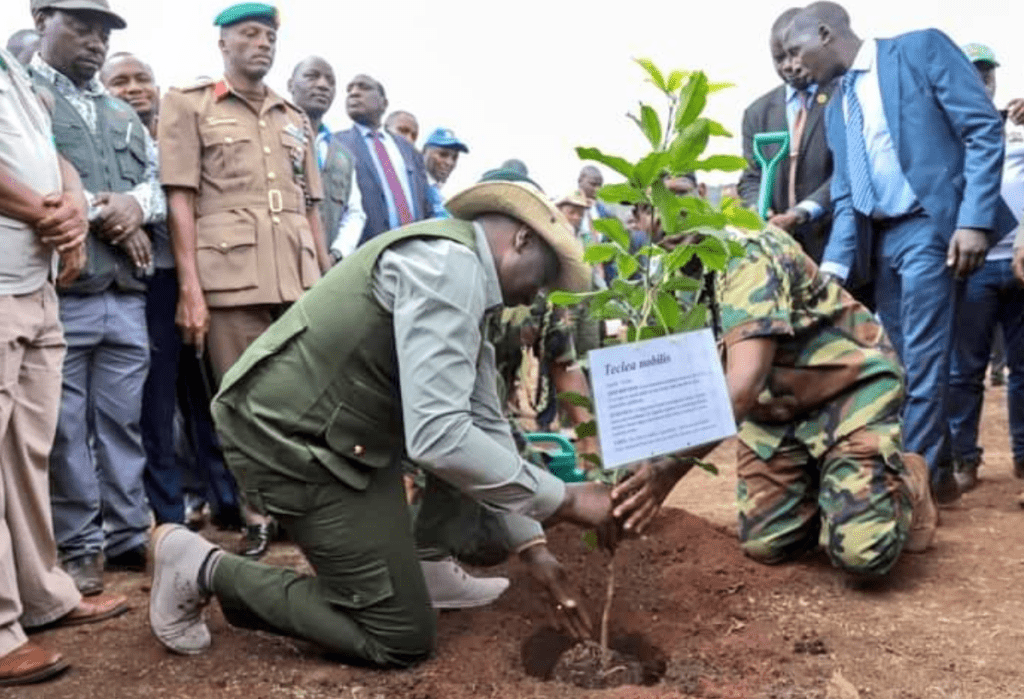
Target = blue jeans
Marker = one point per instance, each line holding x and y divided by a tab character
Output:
993	297
916	297
97	461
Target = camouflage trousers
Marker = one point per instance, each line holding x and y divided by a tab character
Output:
854	501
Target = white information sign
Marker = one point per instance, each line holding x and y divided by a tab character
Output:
659	396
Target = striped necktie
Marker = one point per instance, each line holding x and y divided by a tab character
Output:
861	188
799	124
397	193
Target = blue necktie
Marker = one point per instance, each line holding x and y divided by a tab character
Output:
861	188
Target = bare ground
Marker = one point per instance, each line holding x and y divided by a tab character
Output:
948	624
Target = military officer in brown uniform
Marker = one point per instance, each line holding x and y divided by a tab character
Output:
240	170
239	165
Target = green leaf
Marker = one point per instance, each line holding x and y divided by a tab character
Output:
599	253
586	429
712	253
718	87
652	331
652	70
636	296
589	540
565	298
668	309
716	129
622	192
577	399
592	458
680	282
613	228
709	467
648	169
725	163
679	257
744	218
620	165
670	207
695	318
689	144
692	99
675	80
735	249
650	125
627	265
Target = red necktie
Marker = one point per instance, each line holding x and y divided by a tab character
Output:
794	145
397	193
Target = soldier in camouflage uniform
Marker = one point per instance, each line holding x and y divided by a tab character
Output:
816	390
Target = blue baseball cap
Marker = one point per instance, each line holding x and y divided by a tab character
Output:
445	138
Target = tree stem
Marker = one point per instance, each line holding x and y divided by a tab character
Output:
606	654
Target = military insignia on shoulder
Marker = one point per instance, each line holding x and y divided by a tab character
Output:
295	132
199	84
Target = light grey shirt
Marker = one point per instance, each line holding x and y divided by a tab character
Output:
27	150
439	292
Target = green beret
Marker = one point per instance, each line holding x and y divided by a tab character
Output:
242	11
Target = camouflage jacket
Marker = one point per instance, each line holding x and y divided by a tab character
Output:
832	355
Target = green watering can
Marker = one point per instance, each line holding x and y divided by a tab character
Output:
769	168
563	462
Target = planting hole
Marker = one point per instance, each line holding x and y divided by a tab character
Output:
551	655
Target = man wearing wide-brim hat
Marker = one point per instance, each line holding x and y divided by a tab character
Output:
381	361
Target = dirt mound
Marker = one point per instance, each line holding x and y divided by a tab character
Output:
686	605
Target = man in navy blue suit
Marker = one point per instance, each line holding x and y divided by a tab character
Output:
918	151
389	170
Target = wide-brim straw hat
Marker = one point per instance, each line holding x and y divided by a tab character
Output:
527	204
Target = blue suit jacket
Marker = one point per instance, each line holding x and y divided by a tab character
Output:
374	203
949	138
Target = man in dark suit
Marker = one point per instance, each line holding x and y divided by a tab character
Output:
390	172
918	151
800	205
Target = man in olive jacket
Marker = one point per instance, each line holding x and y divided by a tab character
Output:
384	359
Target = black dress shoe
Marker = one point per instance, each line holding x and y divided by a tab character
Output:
133	560
87	572
256	540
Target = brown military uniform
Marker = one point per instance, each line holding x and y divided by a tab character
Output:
254	174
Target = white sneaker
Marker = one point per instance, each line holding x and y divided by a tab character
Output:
451	587
176	601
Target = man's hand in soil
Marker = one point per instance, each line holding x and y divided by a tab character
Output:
120	215
546	570
638	498
64	226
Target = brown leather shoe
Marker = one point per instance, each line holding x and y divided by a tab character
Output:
30	663
93	609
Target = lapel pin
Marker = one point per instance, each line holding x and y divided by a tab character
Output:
822	98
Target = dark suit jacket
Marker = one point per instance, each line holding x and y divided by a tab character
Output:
814	164
949	138
374	203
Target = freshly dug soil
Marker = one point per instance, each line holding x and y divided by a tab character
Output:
947	624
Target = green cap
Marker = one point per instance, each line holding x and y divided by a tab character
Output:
979	53
242	11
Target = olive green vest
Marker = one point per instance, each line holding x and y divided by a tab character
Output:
319	389
339	169
111	160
